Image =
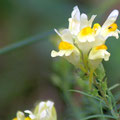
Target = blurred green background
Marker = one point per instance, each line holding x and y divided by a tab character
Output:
25	73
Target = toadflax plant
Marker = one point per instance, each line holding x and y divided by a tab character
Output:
83	45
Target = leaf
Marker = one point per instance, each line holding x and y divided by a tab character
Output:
104	86
97	116
114	86
25	42
86	94
101	110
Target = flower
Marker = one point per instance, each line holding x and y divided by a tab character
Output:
82	43
80	28
43	111
109	28
66	47
21	116
97	54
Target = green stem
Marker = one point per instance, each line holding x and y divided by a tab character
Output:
82	68
91	78
85	61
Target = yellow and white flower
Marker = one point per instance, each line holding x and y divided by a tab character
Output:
66	47
43	111
97	54
81	29
109	28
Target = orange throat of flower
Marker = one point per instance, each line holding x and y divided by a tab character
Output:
96	26
85	31
112	27
65	46
101	47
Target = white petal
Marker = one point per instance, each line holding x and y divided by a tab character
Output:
66	36
74	26
43	114
49	104
106	56
99	54
41	105
76	13
67	53
54	53
111	18
91	20
89	38
114	34
74	21
83	20
32	116
61	52
28	111
57	32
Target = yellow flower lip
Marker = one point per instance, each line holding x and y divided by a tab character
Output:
65	46
96	26
27	118
85	31
101	47
113	27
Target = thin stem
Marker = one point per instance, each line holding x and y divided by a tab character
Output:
85	60
82	68
91	78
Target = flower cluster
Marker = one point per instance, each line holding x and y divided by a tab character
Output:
43	111
82	43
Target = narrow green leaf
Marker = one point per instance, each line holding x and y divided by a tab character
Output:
114	86
113	102
101	110
86	94
97	116
25	42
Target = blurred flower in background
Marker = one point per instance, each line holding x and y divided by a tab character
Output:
42	111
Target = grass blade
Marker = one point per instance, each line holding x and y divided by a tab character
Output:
25	42
86	94
97	116
114	86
